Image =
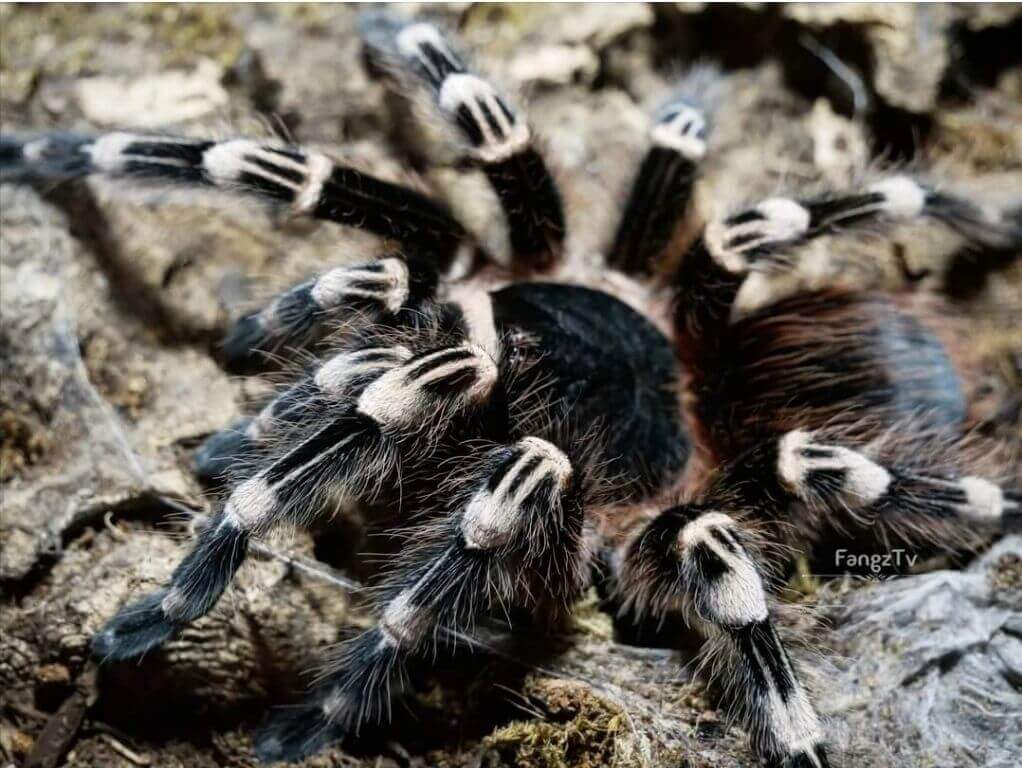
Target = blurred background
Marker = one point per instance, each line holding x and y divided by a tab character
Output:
110	374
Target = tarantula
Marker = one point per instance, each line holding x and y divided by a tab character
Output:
532	418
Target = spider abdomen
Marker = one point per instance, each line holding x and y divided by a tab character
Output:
855	361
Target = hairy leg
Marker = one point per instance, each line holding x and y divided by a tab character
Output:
359	449
234	452
894	493
510	538
661	191
415	56
392	290
755	252
309	182
702	559
379	317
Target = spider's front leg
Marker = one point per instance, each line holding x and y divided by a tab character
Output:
306	182
701	559
511	538
358	447
374	302
661	191
393	290
311	183
415	56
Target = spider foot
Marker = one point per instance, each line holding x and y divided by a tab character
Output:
294	733
55	156
1013	512
358	690
244	341
812	758
195	586
215	458
137	628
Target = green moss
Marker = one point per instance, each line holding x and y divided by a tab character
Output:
23	441
63	40
1006	576
589	619
802	583
581	730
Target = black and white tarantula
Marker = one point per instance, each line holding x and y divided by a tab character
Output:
547	425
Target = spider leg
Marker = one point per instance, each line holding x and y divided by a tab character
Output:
416	56
699	558
893	486
750	254
466	315
662	188
332	384
764	231
355	451
830	478
392	289
969	267
309	182
702	557
511	538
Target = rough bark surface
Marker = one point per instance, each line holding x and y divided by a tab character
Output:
110	373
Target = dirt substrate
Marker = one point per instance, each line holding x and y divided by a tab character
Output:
110	373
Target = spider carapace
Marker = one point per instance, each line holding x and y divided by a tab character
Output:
655	423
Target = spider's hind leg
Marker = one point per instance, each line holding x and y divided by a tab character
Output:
417	57
896	493
831	485
703	560
703	557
